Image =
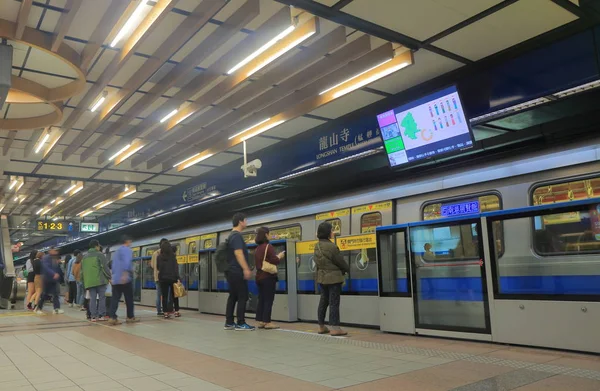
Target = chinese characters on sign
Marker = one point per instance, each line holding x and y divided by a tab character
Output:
459	209
329	145
357	242
199	192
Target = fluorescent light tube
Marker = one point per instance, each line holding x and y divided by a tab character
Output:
166	117
247	129
41	144
131	152
198	160
185	160
262	49
12	184
74	185
128	26
98	103
371	79
263	129
354	77
280	53
125	148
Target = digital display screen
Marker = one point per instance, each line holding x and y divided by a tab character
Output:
430	126
459	209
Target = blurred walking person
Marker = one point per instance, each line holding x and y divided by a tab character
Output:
122	277
79	299
50	267
30	279
71	281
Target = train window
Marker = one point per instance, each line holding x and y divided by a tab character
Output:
556	236
136	253
370	221
570	232
336	224
209	243
192	248
466	206
292	232
394	264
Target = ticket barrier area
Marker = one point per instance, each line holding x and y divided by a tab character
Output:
360	304
213	291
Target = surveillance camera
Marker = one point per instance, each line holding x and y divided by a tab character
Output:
251	168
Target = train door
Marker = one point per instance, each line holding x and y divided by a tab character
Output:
148	285
210	282
192	271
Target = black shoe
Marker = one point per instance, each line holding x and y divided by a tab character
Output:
160	313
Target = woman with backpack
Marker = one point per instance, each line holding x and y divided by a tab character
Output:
266	262
168	274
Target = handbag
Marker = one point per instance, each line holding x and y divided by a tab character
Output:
268	267
179	290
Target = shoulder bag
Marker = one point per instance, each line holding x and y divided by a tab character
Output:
268	267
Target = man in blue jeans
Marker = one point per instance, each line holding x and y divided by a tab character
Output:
122	277
95	275
153	263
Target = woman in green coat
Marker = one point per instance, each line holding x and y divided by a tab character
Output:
331	268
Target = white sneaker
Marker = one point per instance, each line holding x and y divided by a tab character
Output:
71	305
39	312
59	311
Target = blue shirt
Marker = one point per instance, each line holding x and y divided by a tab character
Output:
236	242
122	266
70	275
49	268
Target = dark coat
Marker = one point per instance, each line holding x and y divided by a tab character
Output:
168	269
331	266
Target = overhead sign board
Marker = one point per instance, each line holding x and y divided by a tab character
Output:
89	227
356	242
56	226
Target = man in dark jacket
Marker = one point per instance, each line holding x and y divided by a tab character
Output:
51	273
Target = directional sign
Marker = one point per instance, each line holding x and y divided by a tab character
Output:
89	227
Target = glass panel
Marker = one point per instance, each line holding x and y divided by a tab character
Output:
306	273
209	243
572	238
252	287
183	275
148	275
370	221
218	280
449	281
136	253
394	276
137	280
281	271
363	271
192	248
193	270
203	275
290	232
148	251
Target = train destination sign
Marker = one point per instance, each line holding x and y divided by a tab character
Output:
55	226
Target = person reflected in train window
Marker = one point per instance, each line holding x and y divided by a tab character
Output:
331	268
159	310
168	274
238	273
429	255
266	278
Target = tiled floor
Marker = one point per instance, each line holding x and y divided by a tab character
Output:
63	352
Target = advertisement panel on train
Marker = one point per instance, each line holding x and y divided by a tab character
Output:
427	127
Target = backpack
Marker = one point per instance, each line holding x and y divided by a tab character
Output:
222	255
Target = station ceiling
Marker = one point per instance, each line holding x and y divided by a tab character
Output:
116	100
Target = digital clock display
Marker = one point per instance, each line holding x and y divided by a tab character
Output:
55	226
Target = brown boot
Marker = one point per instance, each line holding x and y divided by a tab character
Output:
271	326
260	325
338	333
323	330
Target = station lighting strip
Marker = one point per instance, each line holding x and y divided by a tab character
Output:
16	183
129	190
302	27
74	188
399	59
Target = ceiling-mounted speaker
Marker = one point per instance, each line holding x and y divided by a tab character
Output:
6	56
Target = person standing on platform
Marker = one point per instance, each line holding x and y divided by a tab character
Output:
331	268
50	266
77	273
266	279
122	277
238	273
153	263
95	275
168	274
30	279
38	280
71	281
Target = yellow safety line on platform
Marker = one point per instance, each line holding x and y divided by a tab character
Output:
13	314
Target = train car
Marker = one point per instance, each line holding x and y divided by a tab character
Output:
439	264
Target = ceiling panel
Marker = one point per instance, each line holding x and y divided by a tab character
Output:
153	188
161	33
418	19
89	15
100	63
427	66
56	170
47	80
221	159
253	145
192	171
514	24
167	180
130	67
42	61
294	127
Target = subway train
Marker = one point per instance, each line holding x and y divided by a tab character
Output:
442	255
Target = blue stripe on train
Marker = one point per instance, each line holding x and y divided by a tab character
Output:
551	285
468	288
252	287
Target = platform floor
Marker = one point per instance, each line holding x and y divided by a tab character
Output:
64	352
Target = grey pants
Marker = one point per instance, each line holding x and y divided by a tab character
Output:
330	297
